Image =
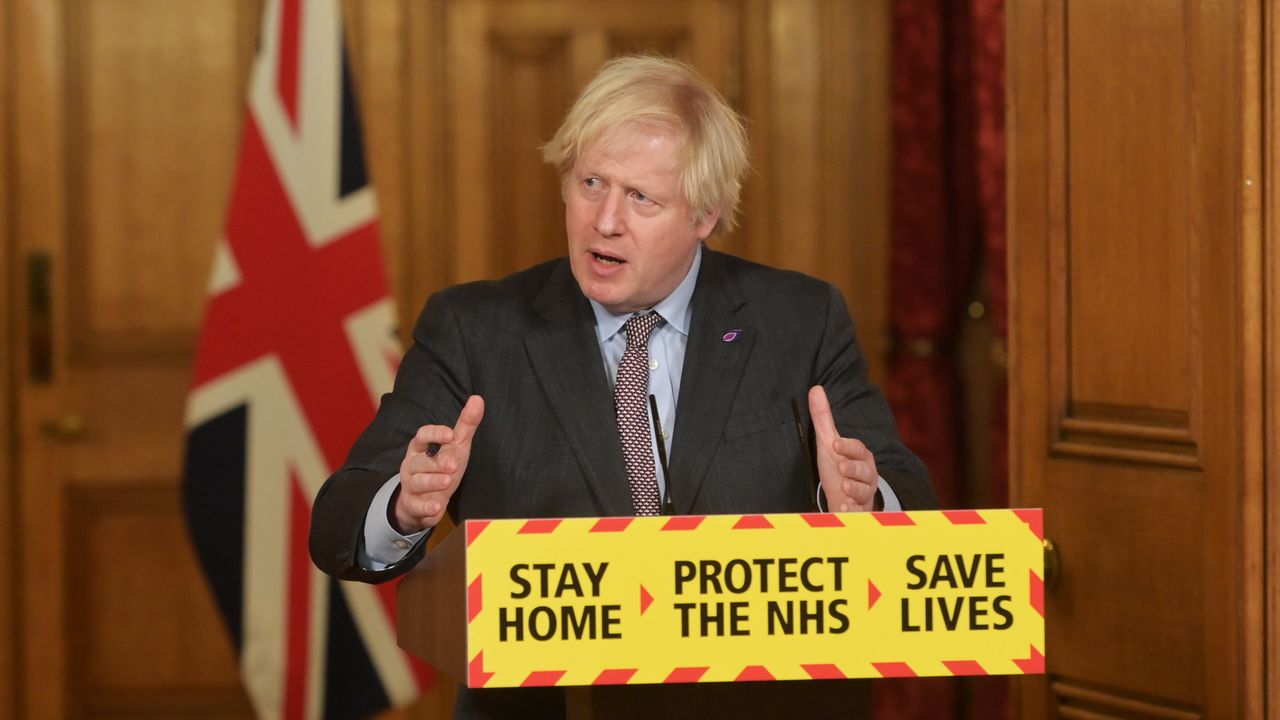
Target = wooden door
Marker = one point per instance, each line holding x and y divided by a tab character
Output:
1136	349
124	119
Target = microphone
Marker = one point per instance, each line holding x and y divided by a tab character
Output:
668	507
804	448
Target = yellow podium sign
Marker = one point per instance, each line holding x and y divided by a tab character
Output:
754	597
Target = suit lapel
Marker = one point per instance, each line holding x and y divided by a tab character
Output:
565	355
713	367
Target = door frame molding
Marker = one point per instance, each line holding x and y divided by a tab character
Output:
1270	102
8	408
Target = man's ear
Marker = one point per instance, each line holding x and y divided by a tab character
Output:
703	227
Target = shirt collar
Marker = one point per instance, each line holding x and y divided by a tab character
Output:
675	308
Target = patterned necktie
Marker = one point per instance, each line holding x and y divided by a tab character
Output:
630	396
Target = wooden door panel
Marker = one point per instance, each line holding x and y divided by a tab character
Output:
1123	371
1130	593
1129	184
142	599
1134	345
153	99
530	92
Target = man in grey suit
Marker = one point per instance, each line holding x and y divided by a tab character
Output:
511	401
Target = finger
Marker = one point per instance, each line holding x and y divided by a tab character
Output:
855	486
428	435
445	462
428	483
859	493
469	419
426	507
423	463
825	435
414	512
853	448
824	425
863	472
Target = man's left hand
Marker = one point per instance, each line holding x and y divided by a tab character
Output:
846	468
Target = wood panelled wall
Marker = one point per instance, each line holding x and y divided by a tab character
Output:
1138	418
120	125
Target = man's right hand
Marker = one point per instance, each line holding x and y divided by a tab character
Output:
428	480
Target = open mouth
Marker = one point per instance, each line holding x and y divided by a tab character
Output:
608	259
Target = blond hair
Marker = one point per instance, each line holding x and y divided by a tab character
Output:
667	93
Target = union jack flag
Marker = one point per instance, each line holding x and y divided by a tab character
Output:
297	346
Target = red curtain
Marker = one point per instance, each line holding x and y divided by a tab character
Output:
989	697
947	224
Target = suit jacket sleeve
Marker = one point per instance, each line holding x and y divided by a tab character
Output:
431	386
860	409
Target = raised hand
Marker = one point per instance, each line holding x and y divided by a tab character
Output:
433	465
846	467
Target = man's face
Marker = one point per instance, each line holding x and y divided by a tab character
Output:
632	236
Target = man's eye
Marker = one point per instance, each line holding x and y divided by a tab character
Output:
641	197
591	182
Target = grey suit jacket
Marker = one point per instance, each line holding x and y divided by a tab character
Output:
548	444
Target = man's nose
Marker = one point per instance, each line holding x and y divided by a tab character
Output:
609	215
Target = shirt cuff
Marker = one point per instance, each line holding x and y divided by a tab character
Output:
891	501
383	546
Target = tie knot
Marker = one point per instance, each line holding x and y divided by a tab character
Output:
640	327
